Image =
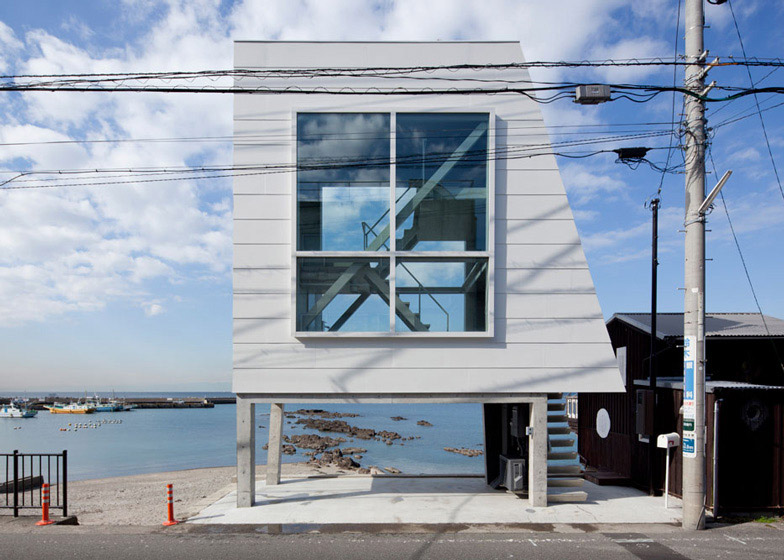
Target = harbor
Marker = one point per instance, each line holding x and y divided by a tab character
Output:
88	405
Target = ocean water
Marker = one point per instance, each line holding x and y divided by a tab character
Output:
153	440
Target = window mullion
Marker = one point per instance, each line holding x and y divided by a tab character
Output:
392	217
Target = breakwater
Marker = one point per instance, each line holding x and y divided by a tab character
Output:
41	403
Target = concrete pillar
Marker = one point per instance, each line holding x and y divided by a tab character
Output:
275	442
537	453
246	452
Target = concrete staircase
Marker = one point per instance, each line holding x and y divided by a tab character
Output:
564	471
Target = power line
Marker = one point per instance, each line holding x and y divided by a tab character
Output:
765	77
745	268
638	93
274	169
731	119
672	114
375	71
242	138
180	174
756	102
507	148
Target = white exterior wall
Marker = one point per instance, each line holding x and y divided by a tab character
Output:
549	333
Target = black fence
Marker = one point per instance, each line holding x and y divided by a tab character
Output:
24	477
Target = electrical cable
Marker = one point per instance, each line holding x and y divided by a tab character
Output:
245	139
746	268
756	101
507	152
672	114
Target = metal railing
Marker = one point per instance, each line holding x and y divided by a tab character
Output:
422	289
571	407
24	476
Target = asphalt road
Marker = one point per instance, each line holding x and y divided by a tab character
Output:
748	541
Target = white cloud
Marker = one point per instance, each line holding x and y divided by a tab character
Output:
637	48
153	309
584	185
9	46
745	155
77	249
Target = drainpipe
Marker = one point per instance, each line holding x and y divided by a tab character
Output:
716	409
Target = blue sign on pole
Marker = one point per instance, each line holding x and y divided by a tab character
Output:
688	380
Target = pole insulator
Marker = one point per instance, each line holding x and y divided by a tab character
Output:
170	506
45	506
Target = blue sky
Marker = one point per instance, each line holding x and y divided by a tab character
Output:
129	287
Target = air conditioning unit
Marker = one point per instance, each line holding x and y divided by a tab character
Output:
514	475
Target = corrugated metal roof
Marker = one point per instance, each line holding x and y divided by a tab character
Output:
716	324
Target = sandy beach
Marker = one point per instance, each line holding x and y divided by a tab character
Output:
140	499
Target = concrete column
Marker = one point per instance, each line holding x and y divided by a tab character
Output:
275	442
246	452
537	453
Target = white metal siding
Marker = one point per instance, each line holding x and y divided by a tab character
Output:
549	333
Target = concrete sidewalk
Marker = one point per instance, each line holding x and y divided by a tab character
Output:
427	500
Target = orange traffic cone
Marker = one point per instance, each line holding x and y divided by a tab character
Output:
45	507
170	506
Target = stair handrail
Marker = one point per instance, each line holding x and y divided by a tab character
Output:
422	287
367	228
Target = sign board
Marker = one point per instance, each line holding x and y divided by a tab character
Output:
689	405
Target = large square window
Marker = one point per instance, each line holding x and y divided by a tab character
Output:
393	231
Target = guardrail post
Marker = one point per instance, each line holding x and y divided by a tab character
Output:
65	483
16	483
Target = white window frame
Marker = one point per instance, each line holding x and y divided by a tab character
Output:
392	254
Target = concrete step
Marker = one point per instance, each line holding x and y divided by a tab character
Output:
562	482
559	418
562	455
562	441
559	430
555	405
566	495
561	470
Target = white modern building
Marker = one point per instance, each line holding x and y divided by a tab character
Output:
395	242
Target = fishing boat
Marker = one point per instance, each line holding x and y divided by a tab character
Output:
14	411
73	408
108	406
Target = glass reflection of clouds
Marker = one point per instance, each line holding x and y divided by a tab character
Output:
448	295
453	213
342	180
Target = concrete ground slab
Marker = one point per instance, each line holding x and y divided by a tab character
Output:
414	500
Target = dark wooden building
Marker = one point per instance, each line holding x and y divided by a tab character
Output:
745	388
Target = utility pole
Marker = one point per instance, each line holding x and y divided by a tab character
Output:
693	446
653	455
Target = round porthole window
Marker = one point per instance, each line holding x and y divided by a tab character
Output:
602	423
